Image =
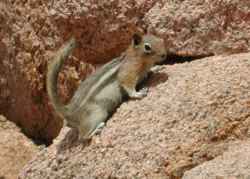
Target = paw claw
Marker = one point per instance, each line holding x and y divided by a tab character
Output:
140	94
156	68
98	129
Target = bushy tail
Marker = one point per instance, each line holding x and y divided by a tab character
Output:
52	75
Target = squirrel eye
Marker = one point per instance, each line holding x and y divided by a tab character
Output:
147	47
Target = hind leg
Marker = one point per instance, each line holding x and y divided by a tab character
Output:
93	122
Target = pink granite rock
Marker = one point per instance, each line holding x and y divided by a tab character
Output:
192	113
32	30
16	149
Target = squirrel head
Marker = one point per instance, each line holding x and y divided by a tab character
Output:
149	46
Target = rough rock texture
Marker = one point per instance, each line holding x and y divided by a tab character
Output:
198	27
193	113
233	164
16	149
32	29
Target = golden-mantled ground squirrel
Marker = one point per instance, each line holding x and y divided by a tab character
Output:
102	92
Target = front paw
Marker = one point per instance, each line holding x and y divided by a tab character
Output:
140	94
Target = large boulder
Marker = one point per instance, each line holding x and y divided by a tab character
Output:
192	113
32	30
200	28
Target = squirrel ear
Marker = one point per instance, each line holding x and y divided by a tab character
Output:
136	39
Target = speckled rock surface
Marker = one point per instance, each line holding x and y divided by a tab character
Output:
193	113
233	164
202	27
31	30
16	149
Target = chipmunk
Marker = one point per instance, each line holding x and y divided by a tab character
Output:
103	91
